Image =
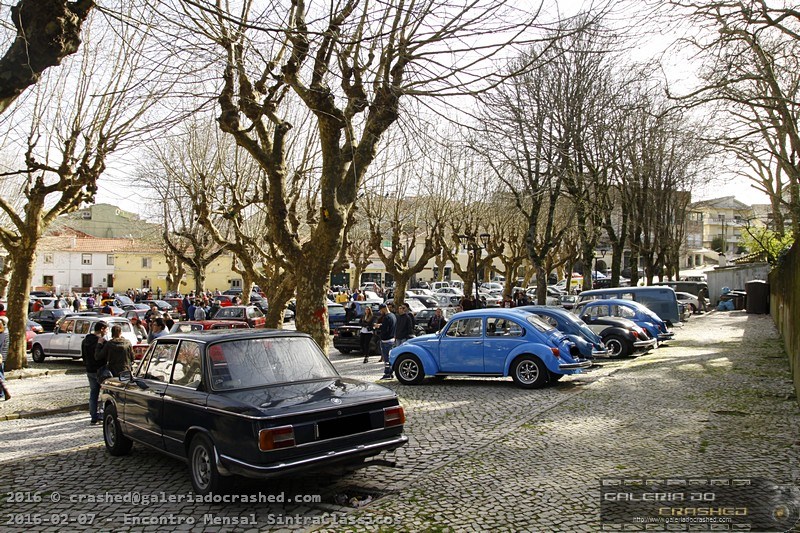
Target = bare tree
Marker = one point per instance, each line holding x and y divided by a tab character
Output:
350	64
76	118
47	31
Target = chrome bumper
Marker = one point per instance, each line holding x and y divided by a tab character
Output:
665	336
599	353
645	343
229	465
573	366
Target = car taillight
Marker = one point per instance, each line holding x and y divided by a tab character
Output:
635	335
555	351
394	416
276	438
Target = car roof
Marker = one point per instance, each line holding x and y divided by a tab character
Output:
214	335
613	301
493	311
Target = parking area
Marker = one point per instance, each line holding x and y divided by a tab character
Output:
483	454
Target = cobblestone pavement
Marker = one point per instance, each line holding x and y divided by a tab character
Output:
483	454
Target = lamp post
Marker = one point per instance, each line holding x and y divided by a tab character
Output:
472	245
602	254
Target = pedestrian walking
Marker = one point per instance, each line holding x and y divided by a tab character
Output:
367	324
92	364
117	352
386	331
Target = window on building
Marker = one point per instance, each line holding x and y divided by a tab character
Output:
145	283
110	259
86	259
147	262
47	281
48	259
236	284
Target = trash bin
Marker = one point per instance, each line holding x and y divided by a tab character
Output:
739	299
757	296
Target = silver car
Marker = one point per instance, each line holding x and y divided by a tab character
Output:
66	339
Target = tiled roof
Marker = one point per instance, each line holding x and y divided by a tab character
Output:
94	244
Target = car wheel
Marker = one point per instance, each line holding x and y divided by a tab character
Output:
203	467
408	370
344	350
529	372
617	346
116	442
38	354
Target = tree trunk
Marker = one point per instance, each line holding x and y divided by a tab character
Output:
199	274
5	273
18	290
311	315
278	296
400	286
247	287
618	248
541	283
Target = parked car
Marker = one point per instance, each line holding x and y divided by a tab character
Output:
421	319
202	325
347	338
568	301
490	342
448	296
250	314
638	313
48	318
413	304
177	305
436	285
336	316
138	313
691	301
427	301
661	300
225	300
163	307
491	286
279	407
621	336
588	342
491	298
31	330
66	340
419	291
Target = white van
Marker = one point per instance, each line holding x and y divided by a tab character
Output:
436	285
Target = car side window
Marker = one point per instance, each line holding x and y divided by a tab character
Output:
501	327
466	327
66	326
82	327
160	364
188	365
624	312
550	320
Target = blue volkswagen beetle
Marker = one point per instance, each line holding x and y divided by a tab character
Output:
635	311
490	342
588	342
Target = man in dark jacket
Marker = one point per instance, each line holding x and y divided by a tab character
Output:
118	352
404	329
88	351
386	330
436	322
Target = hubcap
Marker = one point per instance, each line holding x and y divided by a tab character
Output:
111	431
409	370
527	371
202	466
614	347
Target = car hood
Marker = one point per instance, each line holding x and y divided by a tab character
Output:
294	398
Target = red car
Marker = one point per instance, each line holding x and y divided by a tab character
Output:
250	314
177	305
200	325
30	333
225	300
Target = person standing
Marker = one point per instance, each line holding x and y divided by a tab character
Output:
404	329
507	303
158	328
199	310
118	352
3	353
436	322
138	329
367	324
386	331
92	364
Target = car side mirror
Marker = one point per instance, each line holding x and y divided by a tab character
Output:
125	376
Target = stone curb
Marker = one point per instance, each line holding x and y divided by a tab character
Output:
36	373
38	413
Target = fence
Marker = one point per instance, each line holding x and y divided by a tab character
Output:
784	286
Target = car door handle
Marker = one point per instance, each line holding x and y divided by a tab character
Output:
477	342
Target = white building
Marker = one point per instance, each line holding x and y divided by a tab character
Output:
75	262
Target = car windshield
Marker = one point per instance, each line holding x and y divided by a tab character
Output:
124	300
250	363
335	310
538	323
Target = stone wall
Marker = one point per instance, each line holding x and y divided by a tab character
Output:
784	287
734	277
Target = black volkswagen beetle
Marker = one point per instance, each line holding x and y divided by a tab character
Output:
256	403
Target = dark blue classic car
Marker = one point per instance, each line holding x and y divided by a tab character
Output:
490	342
256	403
635	311
588	342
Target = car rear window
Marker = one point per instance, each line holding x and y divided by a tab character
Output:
335	311
250	363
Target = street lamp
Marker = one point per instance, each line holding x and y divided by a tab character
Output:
472	245
602	254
